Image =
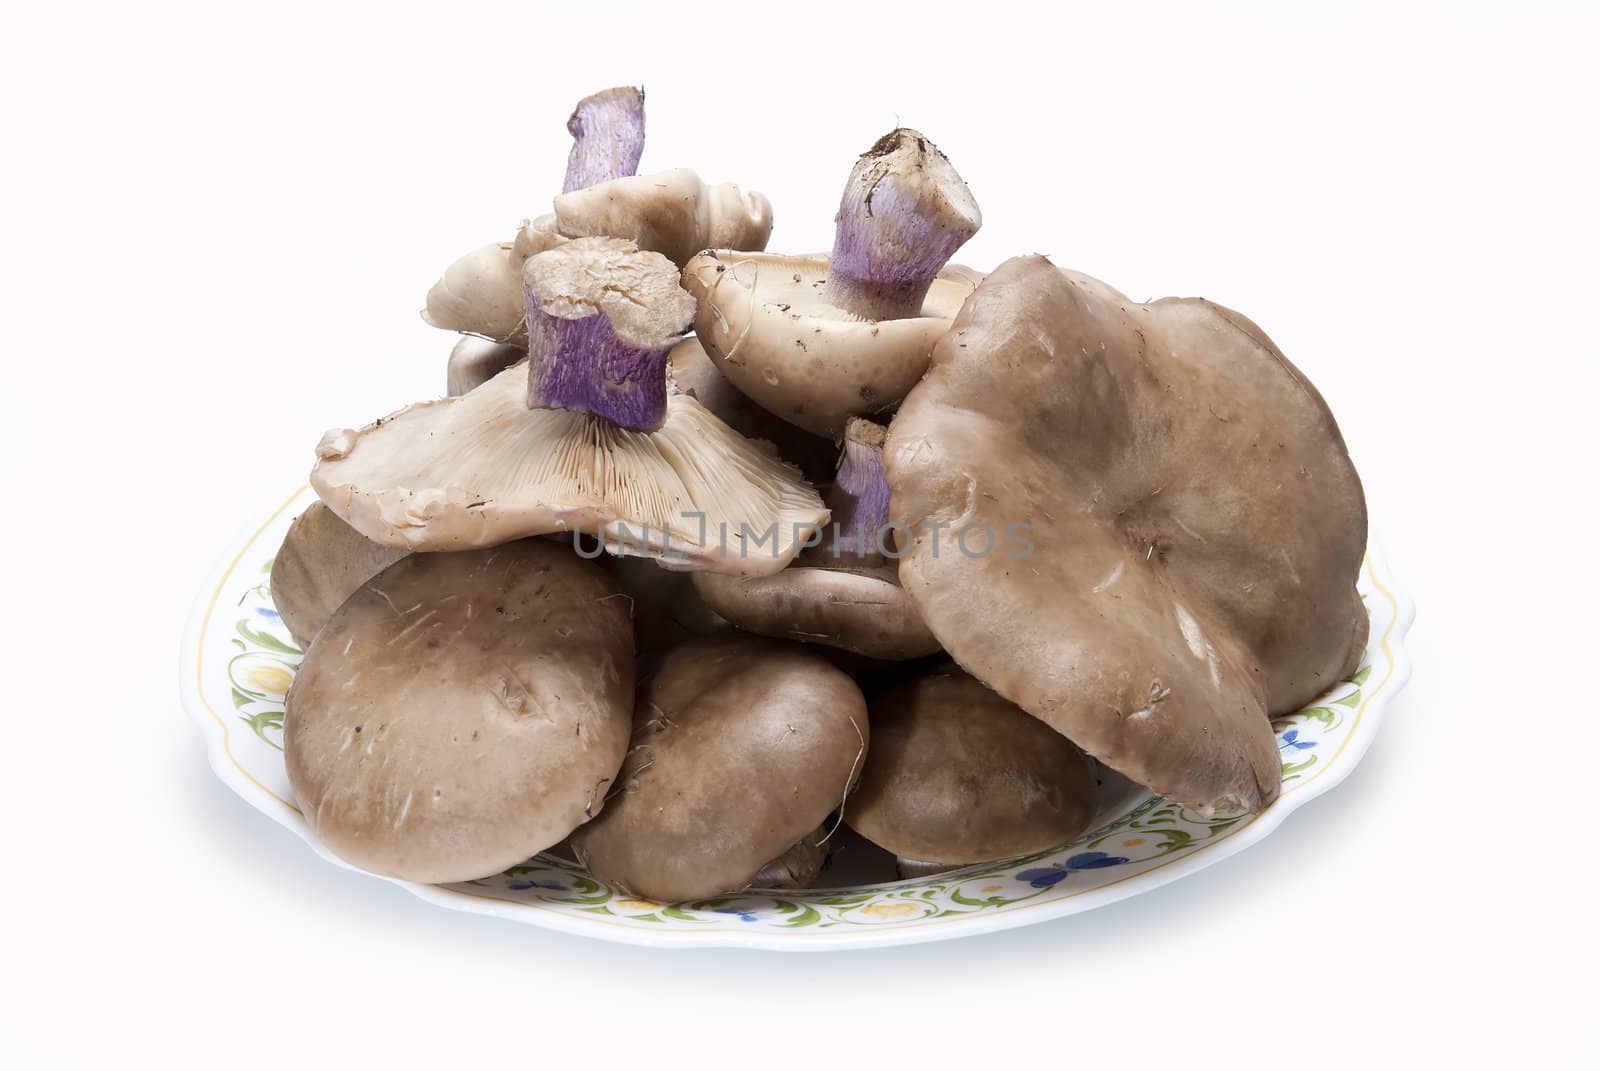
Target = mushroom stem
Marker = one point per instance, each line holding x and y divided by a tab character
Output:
607	131
583	366
602	318
904	213
860	496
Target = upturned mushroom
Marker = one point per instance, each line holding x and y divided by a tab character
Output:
606	451
818	340
321	562
741	749
958	775
462	712
673	212
844	592
1138	522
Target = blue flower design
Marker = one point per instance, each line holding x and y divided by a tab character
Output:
1046	876
265	612
1291	739
523	884
744	916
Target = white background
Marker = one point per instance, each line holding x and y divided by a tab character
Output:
218	225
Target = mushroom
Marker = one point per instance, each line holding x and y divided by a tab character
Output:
844	593
959	775
818	340
479	294
474	361
672	212
462	712
322	560
741	748
693	373
1137	522
483	468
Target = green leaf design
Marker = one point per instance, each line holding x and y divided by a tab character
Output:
1293	769
1326	716
264	721
266	640
805	916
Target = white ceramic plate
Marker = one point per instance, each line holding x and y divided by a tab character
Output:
238	661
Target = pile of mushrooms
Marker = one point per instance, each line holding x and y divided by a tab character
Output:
885	541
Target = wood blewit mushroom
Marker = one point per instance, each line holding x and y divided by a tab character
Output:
816	340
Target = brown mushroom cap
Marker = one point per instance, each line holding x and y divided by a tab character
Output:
765	322
958	775
853	605
322	561
741	748
462	712
1196	526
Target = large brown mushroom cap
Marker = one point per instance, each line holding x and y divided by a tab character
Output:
1196	526
765	321
322	561
741	748
958	775
850	604
462	712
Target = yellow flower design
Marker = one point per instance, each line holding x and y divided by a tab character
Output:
1133	842
900	910
991	888
636	905
268	678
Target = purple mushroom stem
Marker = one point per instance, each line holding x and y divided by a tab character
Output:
583	366
904	213
860	496
602	318
607	137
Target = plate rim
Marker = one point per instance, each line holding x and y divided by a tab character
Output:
216	731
